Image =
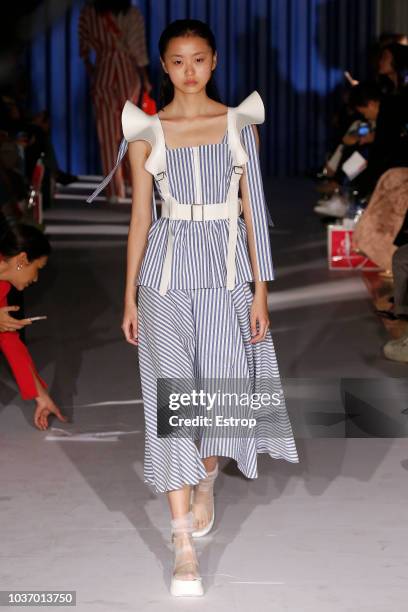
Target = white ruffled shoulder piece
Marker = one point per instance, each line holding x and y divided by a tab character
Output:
138	125
251	110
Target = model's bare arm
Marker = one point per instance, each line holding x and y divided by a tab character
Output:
259	309
140	222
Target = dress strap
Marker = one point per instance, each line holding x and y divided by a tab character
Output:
232	198
121	154
162	178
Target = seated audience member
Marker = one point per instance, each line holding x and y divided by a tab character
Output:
33	133
397	350
390	146
378	227
359	137
392	67
389	61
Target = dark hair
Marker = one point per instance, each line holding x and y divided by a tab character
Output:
399	60
363	93
185	27
386	38
18	237
113	6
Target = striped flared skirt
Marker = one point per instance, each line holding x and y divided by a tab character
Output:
204	334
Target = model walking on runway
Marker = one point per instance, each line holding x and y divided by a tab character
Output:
189	306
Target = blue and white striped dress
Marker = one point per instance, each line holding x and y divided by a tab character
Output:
199	328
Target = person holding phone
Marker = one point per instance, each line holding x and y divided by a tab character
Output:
24	251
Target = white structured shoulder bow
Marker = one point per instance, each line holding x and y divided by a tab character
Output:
251	110
138	125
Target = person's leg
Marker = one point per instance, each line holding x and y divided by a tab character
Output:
172	464
400	273
185	558
203	498
216	326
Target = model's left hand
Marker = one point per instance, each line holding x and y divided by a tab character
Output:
259	316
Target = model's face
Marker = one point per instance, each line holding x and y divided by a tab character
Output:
370	112
23	272
189	62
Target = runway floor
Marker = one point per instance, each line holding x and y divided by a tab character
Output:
327	534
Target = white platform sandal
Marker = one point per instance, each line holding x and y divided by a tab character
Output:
205	488
186	580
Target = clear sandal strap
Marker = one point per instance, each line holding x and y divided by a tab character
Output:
183	524
206	483
185	556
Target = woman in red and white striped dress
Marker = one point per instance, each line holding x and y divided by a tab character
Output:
115	31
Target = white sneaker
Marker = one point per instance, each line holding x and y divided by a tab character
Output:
397	350
118	200
333	207
112	199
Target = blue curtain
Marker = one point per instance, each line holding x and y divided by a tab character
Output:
293	52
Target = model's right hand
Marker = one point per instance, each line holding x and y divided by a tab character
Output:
8	323
129	325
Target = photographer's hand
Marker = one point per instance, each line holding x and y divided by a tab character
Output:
350	139
8	323
45	407
367	139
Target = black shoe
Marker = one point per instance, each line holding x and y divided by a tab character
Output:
65	178
391	316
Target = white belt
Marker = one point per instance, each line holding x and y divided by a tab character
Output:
173	209
199	212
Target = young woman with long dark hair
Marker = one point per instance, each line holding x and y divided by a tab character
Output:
188	304
24	251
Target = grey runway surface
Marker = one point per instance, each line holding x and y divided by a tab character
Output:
327	534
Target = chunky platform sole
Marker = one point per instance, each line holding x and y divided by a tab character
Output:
186	588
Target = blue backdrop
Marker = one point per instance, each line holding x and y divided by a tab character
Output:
293	52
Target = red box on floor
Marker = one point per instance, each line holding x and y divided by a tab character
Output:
341	255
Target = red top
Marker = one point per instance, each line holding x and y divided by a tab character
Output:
17	355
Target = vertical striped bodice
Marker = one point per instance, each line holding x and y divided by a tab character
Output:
201	175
